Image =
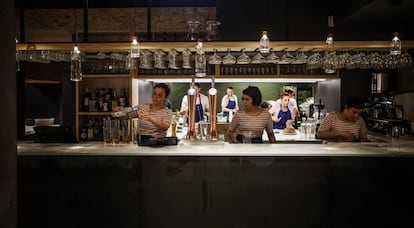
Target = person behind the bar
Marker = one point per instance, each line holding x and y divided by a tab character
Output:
346	125
282	114
293	105
202	104
229	102
154	118
252	119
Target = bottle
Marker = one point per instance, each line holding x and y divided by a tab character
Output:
395	45
230	116
84	134
90	130
123	99
86	98
101	98
93	107
114	101
200	60
264	43
76	65
134	47
109	96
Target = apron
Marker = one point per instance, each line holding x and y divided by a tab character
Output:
199	115
285	116
230	105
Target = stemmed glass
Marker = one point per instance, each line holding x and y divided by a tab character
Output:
212	27
172	59
146	60
159	59
186	59
243	58
272	58
229	59
287	58
258	58
215	59
193	33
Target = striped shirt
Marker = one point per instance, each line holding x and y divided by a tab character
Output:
148	128
332	123
256	124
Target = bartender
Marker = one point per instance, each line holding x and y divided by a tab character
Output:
229	102
202	104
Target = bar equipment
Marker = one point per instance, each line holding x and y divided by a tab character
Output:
212	98
191	96
321	114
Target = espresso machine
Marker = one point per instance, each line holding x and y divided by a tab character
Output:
321	112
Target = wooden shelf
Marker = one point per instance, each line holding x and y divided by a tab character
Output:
41	81
106	75
220	45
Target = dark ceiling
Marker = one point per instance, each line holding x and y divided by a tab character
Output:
377	17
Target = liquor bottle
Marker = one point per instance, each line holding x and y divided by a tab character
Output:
90	130
123	99
264	43
114	101
86	98
93	107
101	98
200	60
108	99
84	134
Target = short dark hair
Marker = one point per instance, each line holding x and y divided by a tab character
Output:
288	90
165	87
230	87
254	93
197	84
354	102
264	104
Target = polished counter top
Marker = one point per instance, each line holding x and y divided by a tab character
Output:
377	147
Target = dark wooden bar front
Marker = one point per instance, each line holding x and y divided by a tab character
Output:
215	191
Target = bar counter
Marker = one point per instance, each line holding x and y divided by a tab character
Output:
311	147
199	184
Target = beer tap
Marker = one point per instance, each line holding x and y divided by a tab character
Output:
191	96
212	98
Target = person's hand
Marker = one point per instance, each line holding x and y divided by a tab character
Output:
117	108
347	135
145	116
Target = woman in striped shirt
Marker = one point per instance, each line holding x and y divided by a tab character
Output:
347	125
252	120
155	118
